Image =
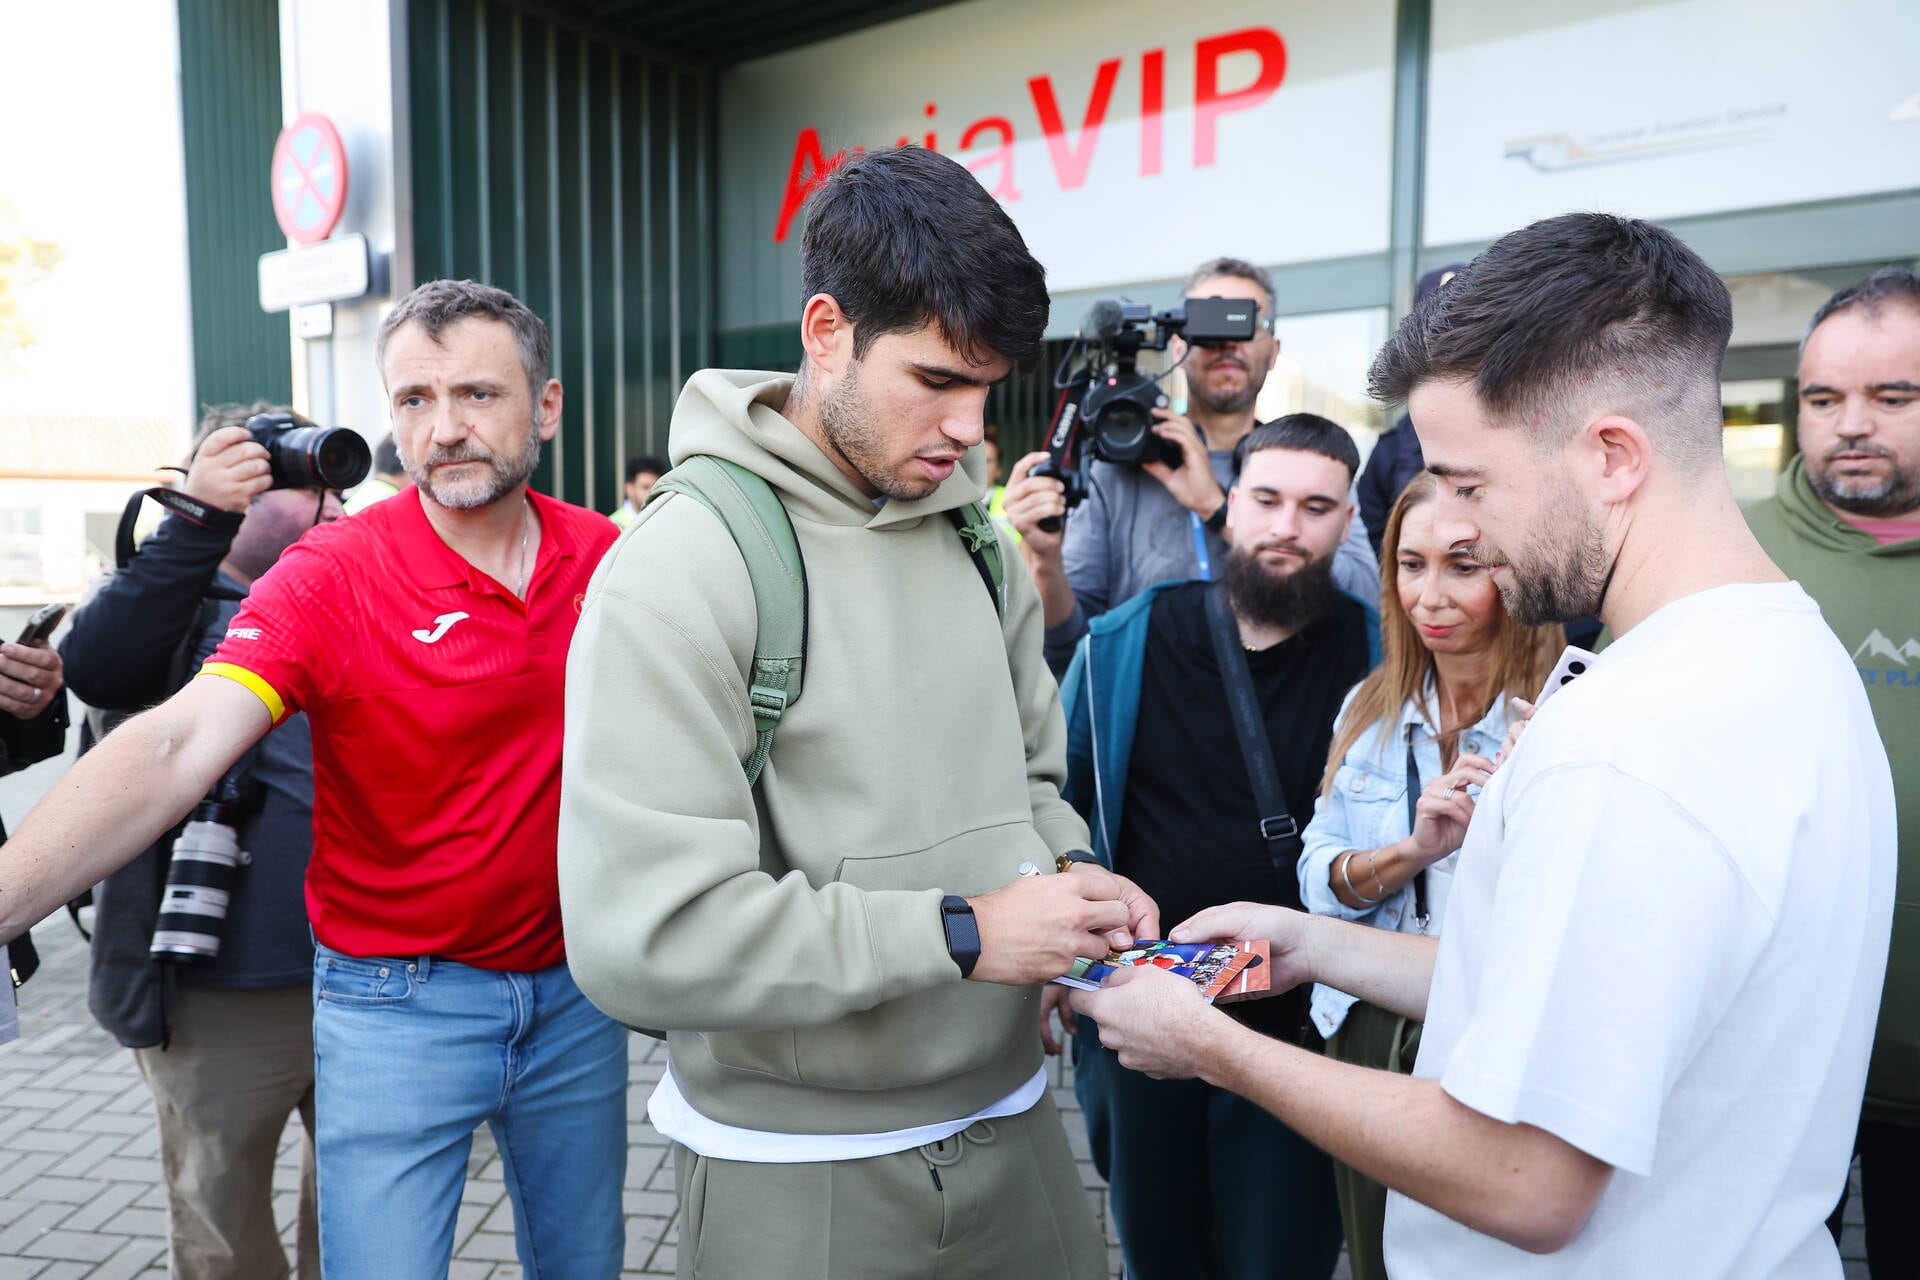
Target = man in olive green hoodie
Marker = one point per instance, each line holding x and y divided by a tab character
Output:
1845	522
842	1100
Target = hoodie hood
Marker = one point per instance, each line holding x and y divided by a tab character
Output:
1802	511
736	414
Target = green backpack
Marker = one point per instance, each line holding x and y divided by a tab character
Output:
761	528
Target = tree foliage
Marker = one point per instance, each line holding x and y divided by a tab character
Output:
25	260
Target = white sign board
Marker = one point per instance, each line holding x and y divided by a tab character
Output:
1664	110
1129	139
331	271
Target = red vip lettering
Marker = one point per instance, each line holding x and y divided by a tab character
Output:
986	145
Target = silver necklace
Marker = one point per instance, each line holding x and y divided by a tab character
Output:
526	520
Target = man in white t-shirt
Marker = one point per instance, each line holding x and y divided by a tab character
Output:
1648	1022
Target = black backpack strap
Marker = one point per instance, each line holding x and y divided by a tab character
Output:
1277	825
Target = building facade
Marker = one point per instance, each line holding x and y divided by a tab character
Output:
635	171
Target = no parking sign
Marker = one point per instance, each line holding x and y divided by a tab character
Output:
309	178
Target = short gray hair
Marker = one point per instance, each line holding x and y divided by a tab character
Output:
1232	269
1888	284
438	303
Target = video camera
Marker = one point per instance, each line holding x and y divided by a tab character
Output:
1107	404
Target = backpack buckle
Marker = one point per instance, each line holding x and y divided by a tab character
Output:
768	702
1279	828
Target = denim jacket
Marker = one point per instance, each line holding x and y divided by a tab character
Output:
1366	809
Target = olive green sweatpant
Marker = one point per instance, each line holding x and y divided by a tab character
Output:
1000	1200
1370	1037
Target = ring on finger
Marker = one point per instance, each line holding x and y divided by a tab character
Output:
1448	793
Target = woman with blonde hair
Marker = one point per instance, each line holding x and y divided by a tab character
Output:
1413	737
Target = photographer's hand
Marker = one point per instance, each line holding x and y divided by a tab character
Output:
30	679
1191	483
1029	500
229	471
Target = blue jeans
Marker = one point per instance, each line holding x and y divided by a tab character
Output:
411	1055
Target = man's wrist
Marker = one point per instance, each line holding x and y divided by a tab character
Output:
962	931
1224	1050
1072	858
1217	522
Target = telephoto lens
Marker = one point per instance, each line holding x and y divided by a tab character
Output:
193	909
311	457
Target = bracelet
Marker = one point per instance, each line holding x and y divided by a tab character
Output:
1345	859
1373	869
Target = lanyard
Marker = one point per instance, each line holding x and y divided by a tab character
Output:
1413	800
1200	553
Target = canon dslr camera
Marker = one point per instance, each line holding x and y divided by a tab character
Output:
310	457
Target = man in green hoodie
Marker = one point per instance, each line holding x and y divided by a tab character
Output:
845	955
1845	522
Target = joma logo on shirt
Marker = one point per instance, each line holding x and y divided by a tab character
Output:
441	625
243	633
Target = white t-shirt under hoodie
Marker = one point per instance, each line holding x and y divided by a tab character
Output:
1665	944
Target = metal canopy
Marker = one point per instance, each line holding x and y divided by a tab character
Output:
720	32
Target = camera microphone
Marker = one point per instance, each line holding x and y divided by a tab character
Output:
1101	321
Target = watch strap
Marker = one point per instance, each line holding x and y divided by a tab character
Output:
963	932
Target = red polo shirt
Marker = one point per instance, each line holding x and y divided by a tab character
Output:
435	700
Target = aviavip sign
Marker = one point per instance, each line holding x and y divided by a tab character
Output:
987	145
309	177
1128	139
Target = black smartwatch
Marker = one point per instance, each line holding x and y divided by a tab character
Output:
1218	520
963	932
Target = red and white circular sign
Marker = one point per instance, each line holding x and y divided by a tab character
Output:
309	179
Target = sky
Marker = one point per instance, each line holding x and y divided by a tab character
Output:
90	159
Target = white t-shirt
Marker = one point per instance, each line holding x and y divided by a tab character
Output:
1665	945
674	1117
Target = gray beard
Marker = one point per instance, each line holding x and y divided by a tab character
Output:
1898	493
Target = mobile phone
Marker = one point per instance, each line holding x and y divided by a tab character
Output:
1572	665
41	624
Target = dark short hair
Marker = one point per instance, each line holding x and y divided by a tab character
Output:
905	236
644	464
215	416
438	303
1887	285
1572	313
1304	432
386	457
1232	269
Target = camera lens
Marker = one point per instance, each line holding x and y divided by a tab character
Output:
319	458
1123	428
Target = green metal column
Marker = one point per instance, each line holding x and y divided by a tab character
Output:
1413	45
575	170
230	116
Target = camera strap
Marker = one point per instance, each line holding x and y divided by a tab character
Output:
1420	912
1277	825
188	508
1201	556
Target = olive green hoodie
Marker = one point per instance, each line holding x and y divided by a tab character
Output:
1870	595
788	938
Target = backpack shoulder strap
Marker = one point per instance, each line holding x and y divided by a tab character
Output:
983	544
761	528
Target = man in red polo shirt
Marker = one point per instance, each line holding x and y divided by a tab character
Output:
426	640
